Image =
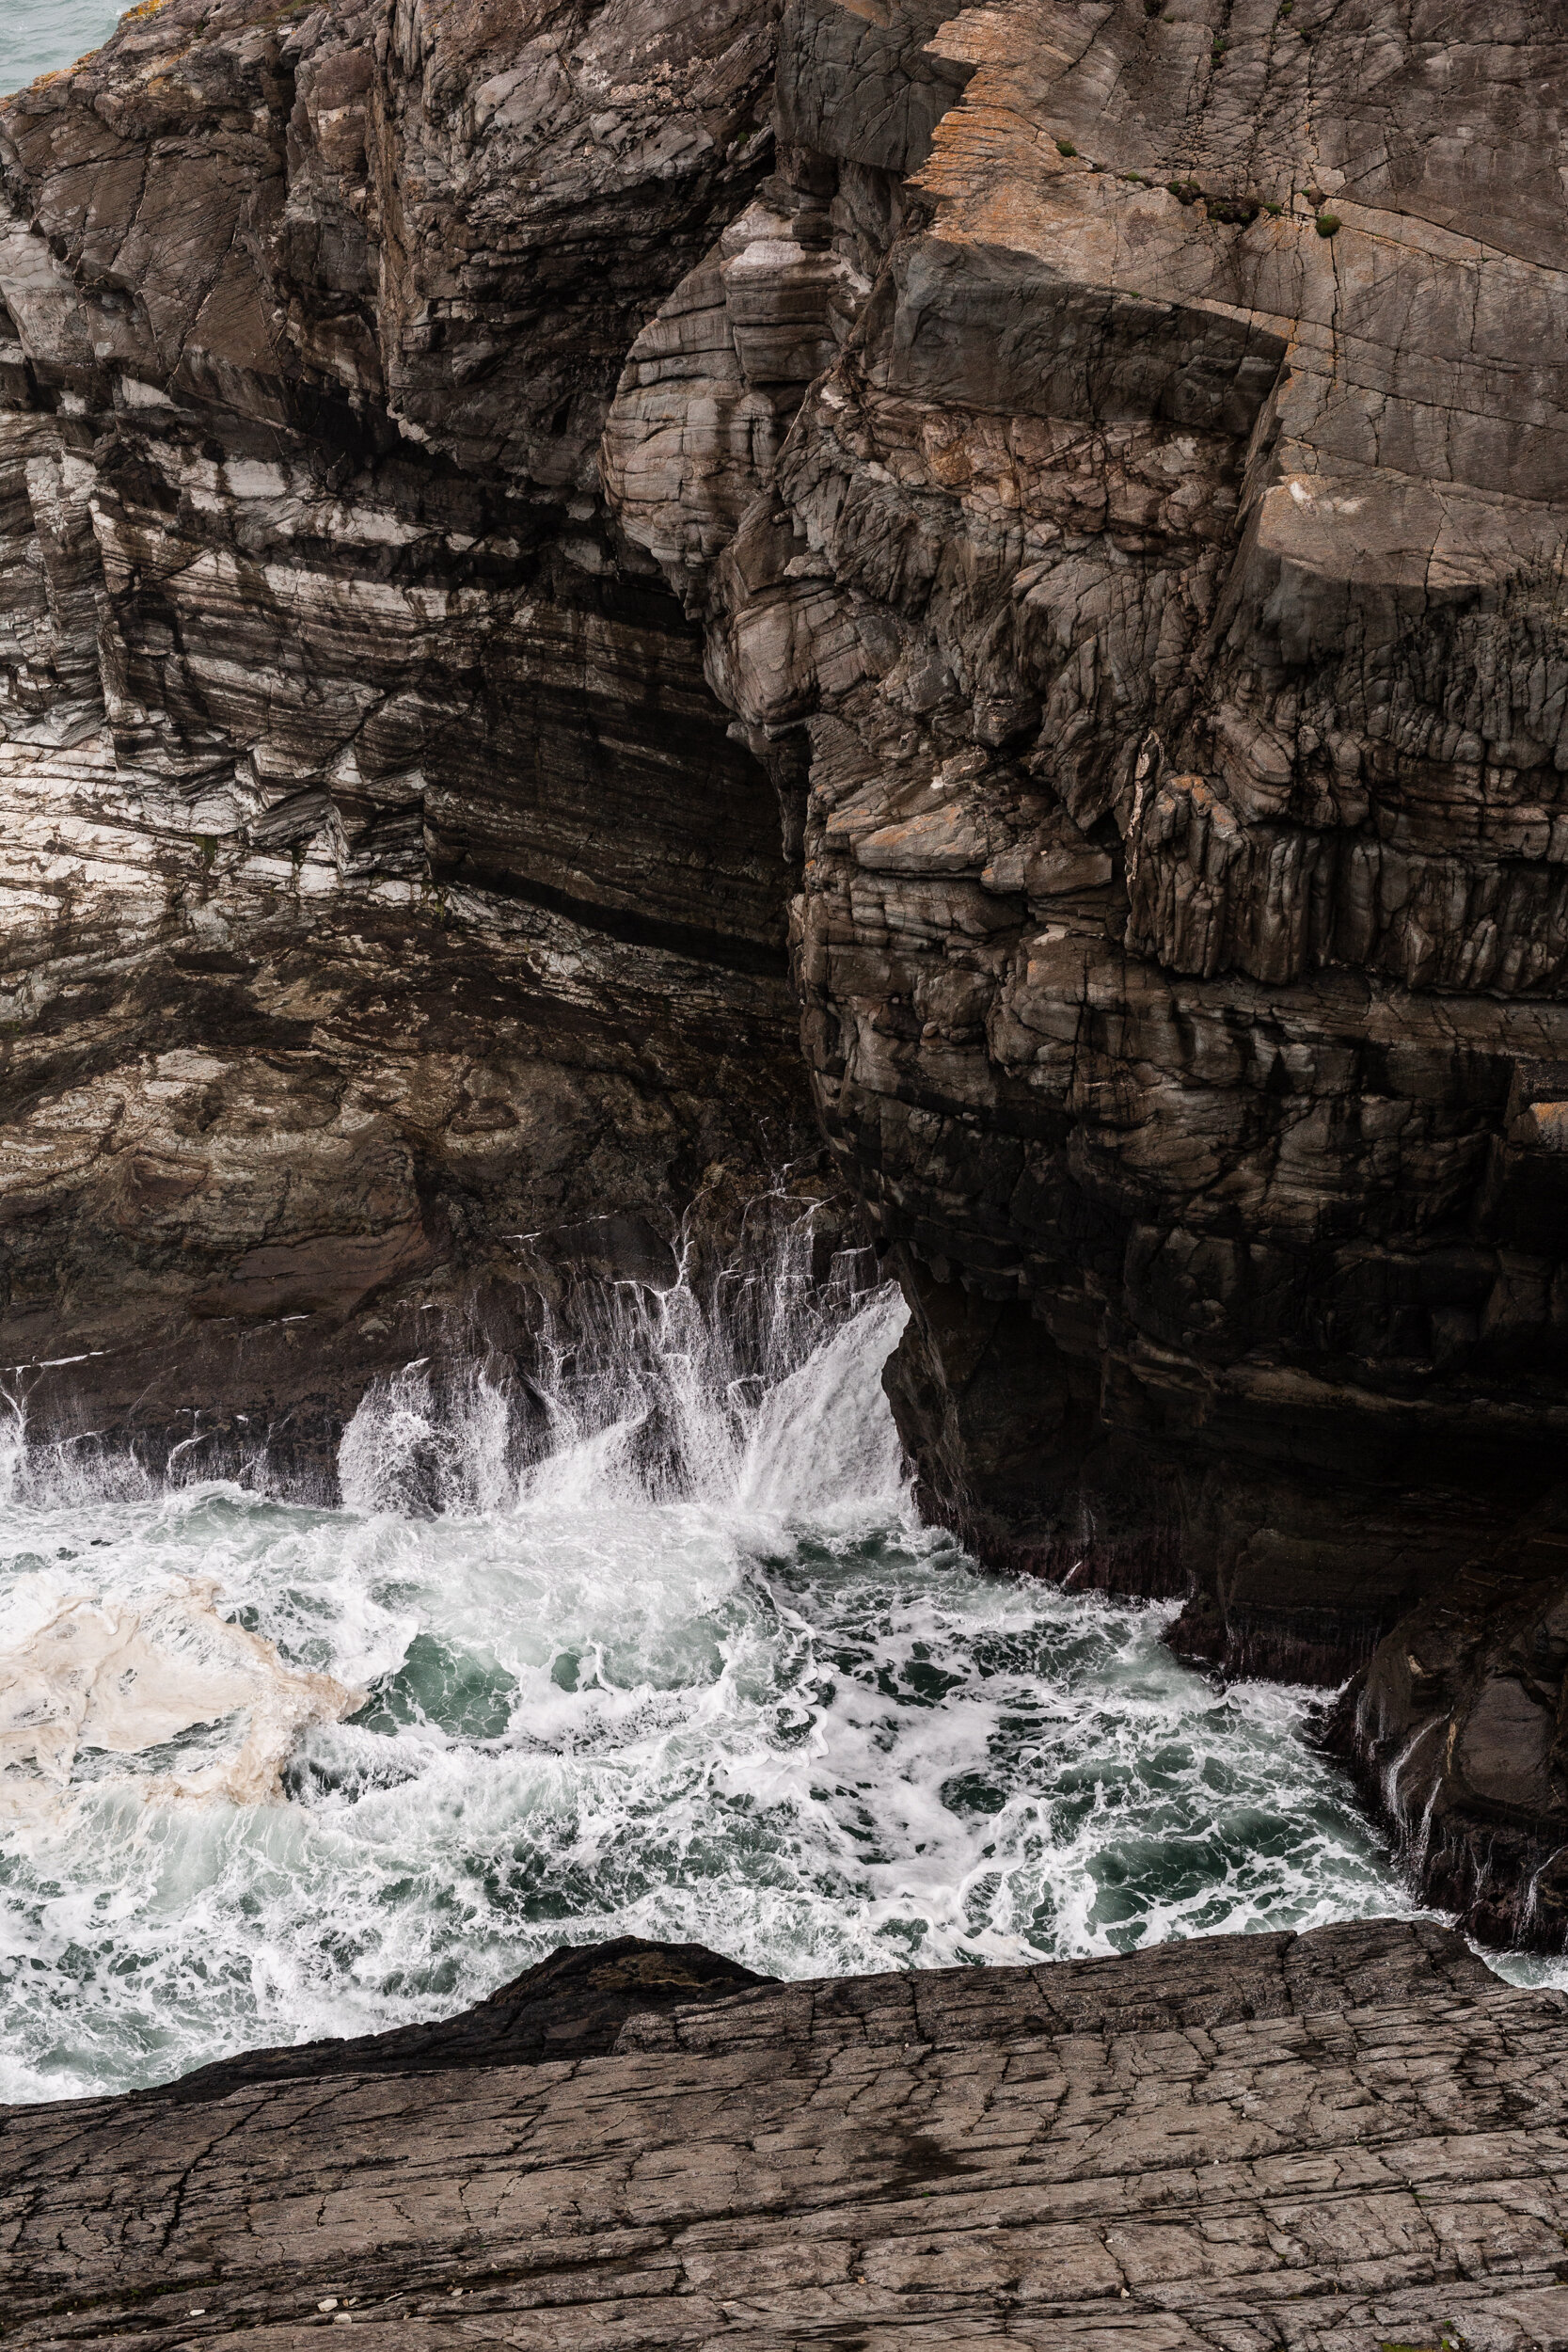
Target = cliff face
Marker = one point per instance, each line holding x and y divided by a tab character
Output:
1311	2142
1154	617
1159	598
380	882
1107	459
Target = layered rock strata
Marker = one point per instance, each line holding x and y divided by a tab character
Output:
1155	611
381	883
1315	2142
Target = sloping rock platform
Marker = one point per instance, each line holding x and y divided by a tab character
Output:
1337	2141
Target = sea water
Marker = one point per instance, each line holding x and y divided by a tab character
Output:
652	1642
38	36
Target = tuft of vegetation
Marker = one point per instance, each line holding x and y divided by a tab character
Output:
207	845
1233	211
1184	191
1328	224
1065	147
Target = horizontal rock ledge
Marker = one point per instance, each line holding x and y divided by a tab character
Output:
1311	2142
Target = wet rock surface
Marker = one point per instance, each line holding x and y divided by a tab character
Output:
1458	1730
1328	2140
573	2005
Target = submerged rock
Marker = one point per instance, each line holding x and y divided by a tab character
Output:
1314	2141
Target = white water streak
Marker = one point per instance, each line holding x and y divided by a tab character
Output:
763	1398
801	1431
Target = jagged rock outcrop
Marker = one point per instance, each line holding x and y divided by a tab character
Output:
380	883
1154	614
1315	2142
1457	1728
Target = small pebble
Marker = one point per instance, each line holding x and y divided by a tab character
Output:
327	2303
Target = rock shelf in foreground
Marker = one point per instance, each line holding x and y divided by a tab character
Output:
1335	2141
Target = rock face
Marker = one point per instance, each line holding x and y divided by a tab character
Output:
577	2004
1067	500
1317	2142
1458	1730
1156	604
380	880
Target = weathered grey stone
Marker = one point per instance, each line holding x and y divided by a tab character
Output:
1323	2141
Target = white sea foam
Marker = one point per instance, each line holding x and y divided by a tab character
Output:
79	1676
652	1643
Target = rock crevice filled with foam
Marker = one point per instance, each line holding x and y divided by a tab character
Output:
659	1649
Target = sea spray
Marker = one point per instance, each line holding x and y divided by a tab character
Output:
651	1643
756	1389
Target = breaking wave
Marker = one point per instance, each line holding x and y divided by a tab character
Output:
647	1640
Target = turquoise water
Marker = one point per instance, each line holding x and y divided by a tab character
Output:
36	36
